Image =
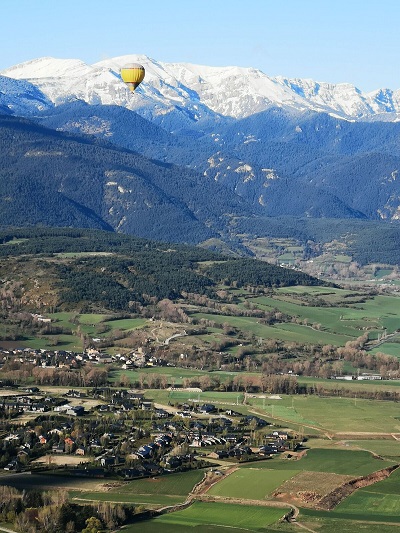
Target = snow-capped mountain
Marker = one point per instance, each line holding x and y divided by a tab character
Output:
283	146
199	92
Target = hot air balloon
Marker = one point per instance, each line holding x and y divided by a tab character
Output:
132	74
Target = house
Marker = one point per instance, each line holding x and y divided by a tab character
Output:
56	431
111	460
32	390
280	435
58	448
80	450
69	445
173	462
77	410
207	408
268	449
221	454
12	465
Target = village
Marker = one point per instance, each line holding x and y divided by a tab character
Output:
127	436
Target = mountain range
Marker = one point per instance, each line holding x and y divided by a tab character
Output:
219	145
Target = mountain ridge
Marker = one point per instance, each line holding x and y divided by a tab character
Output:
234	92
236	143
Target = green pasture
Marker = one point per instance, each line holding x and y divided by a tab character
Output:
228	398
220	399
333	414
175	375
91	318
382	272
326	292
285	331
378	502
326	522
389	348
149	500
213	517
384	447
354	385
381	311
251	483
387	447
335	320
62	319
389	485
344	462
54	342
162	490
126	324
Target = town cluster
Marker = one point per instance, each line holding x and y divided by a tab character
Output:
124	434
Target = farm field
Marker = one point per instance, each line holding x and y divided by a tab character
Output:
333	414
50	482
378	502
327	524
389	448
162	490
318	484
212	518
344	462
390	348
251	483
355	385
363	505
175	375
221	399
348	317
284	331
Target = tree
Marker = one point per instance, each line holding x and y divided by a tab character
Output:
93	525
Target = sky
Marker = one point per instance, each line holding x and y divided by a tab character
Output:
337	41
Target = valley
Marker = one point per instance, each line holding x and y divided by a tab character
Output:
266	390
199	301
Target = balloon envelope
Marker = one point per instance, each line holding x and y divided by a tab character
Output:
132	74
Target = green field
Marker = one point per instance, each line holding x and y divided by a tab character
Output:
389	448
372	506
346	462
378	503
389	348
333	414
87	323
161	490
212	518
322	523
251	483
284	331
221	399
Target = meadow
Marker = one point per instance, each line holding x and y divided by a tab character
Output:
344	462
281	331
333	414
160	490
378	502
251	483
213	517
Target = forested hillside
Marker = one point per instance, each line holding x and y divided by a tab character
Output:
59	179
105	271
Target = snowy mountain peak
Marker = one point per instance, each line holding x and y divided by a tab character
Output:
198	92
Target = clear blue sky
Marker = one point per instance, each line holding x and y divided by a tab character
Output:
354	41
